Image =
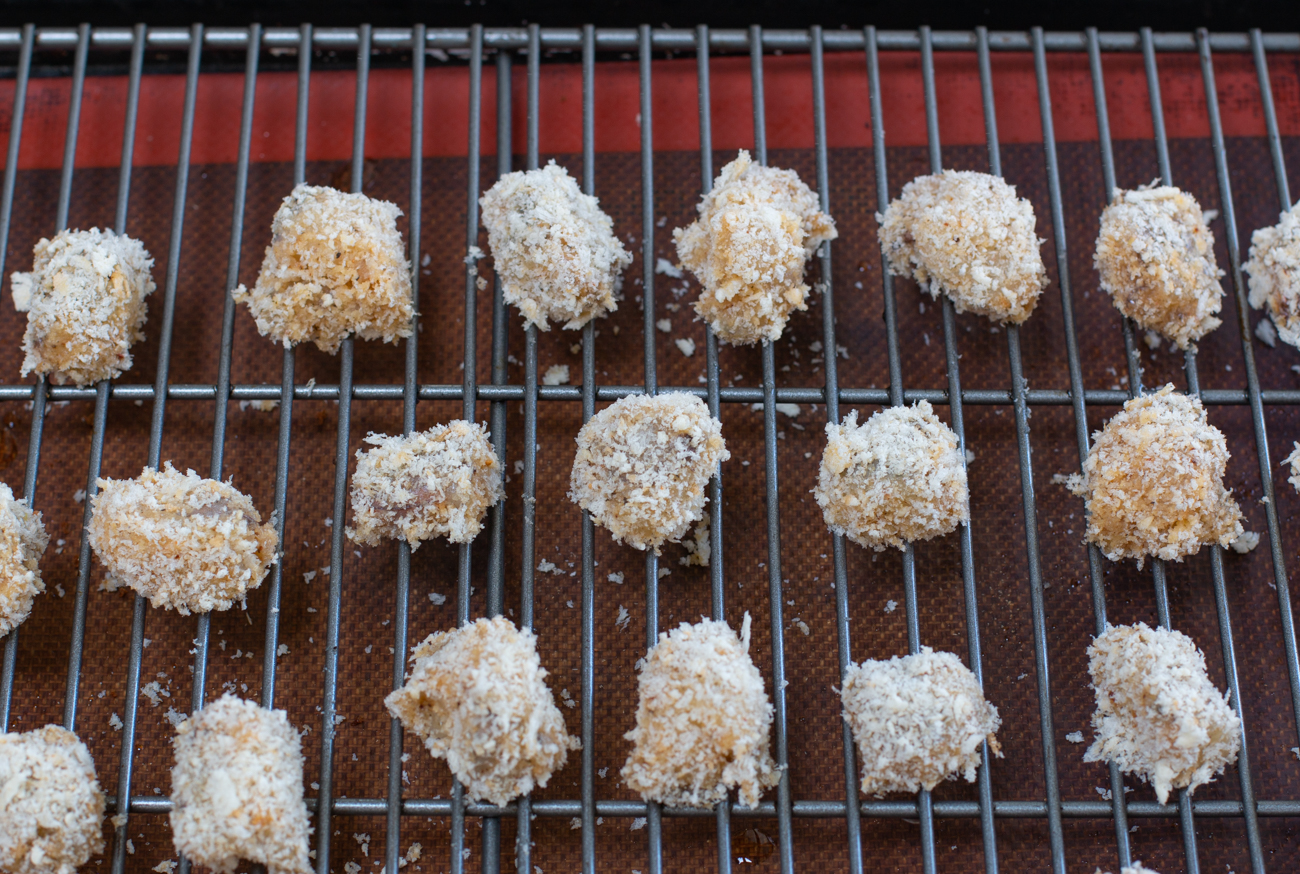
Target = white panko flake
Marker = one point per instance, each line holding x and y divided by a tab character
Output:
51	806
182	541
1155	254
84	300
1158	715
435	483
1246	542
477	697
642	466
896	479
917	720
556	374
1274	269
22	543
1294	460
756	230
1153	481
237	789
967	235
336	266
703	720
553	248
1135	868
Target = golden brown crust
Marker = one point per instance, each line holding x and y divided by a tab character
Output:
335	266
967	235
1155	254
477	697
642	466
757	229
1153	481
84	300
183	542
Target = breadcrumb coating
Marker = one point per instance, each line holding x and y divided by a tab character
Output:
84	300
51	807
336	266
967	235
477	697
1155	254
642	465
896	479
1294	460
1274	270
183	542
237	789
703	720
1158	715
22	543
918	720
1153	481
434	483
553	247
757	229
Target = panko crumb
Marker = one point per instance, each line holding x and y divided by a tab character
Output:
182	541
1274	270
967	235
435	483
1153	481
336	266
478	699
553	248
896	479
918	720
1135	868
84	300
556	374
1294	460
756	230
22	543
1158	715
698	546
1246	542
703	720
1155	254
642	466
237	789
51	806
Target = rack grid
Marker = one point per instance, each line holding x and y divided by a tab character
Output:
477	43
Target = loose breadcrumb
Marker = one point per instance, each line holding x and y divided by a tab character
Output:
642	465
1155	254
757	229
1153	481
896	479
22	543
84	300
335	266
553	248
478	699
184	542
1158	715
237	789
1274	269
918	720
703	720
967	235
1294	460
51	807
1135	868
434	483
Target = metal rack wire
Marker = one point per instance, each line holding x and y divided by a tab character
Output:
645	41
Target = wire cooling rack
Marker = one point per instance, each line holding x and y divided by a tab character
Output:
989	808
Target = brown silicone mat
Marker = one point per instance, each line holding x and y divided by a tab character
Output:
814	724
